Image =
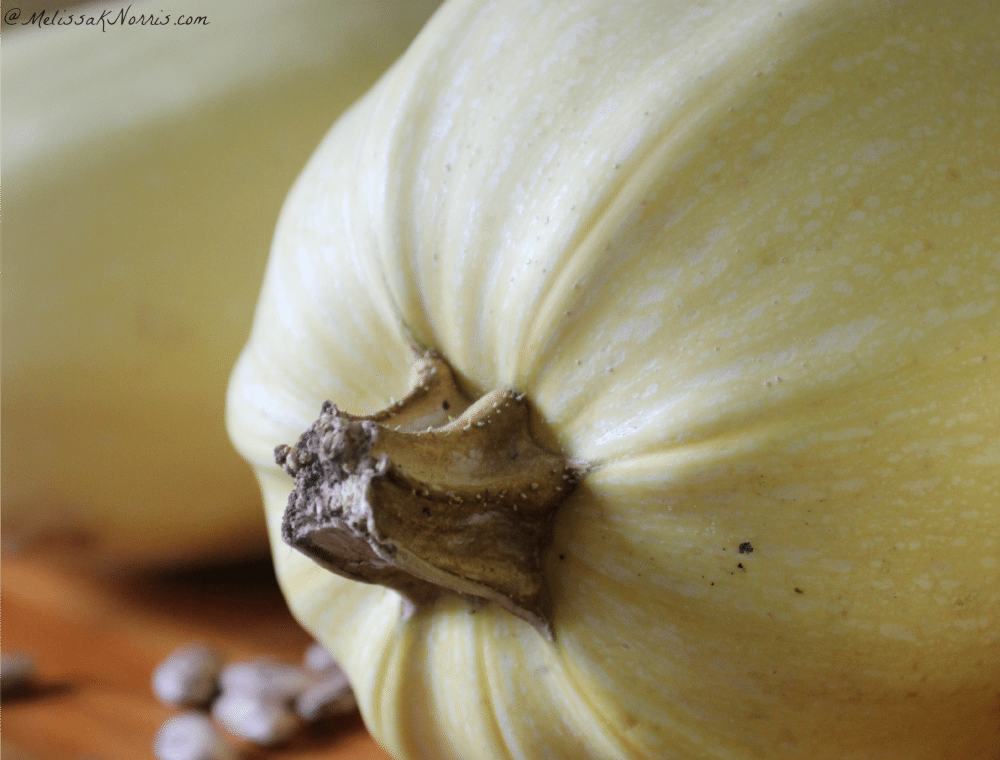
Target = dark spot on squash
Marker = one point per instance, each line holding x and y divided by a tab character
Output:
445	405
798	590
746	548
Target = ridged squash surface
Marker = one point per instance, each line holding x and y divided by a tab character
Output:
744	260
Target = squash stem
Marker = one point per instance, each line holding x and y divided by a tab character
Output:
437	493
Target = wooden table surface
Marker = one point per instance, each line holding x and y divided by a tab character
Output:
96	641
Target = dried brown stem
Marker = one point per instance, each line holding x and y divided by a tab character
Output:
434	494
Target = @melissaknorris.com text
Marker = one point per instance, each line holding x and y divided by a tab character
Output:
104	20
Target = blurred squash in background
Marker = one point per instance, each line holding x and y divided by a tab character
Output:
144	167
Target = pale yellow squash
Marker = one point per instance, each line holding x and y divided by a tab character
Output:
144	169
743	258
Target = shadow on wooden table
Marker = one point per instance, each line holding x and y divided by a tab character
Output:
96	640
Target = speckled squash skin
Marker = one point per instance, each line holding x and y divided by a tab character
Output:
744	260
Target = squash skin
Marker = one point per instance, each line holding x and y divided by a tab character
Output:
144	170
749	270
